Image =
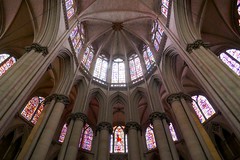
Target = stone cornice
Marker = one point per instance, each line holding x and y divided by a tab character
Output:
38	48
177	97
195	45
78	115
132	125
158	115
105	126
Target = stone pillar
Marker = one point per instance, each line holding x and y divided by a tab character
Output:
18	81
104	129
45	139
131	130
70	147
165	144
196	145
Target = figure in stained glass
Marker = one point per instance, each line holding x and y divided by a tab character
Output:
6	62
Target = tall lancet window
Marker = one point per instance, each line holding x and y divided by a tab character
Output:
148	57
118	143
135	67
86	138
63	133
150	138
118	71
164	7
77	37
231	57
202	107
88	57
157	33
33	109
6	61
101	66
69	8
173	133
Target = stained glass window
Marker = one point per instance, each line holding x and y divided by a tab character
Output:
87	57
101	66
118	143
118	71
6	61
157	33
86	139
135	67
148	57
231	57
164	7
69	8
202	107
150	138
33	109
63	133
173	133
77	37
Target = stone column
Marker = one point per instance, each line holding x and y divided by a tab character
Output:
131	130
196	145
45	139
165	144
18	81
104	129
70	147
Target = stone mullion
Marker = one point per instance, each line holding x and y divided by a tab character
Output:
45	139
31	142
162	136
104	129
79	119
132	129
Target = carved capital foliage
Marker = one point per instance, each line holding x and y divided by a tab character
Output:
62	99
105	126
158	115
78	115
196	45
132	125
48	99
177	97
38	48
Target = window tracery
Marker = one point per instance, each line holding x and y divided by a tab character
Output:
118	71
69	5
157	33
77	37
135	67
164	7
6	61
33	109
86	137
118	142
150	138
231	57
88	57
202	107
148	57
100	70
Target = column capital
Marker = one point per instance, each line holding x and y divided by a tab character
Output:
132	125
78	115
177	96
48	99
195	45
105	126
38	48
62	98
158	115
